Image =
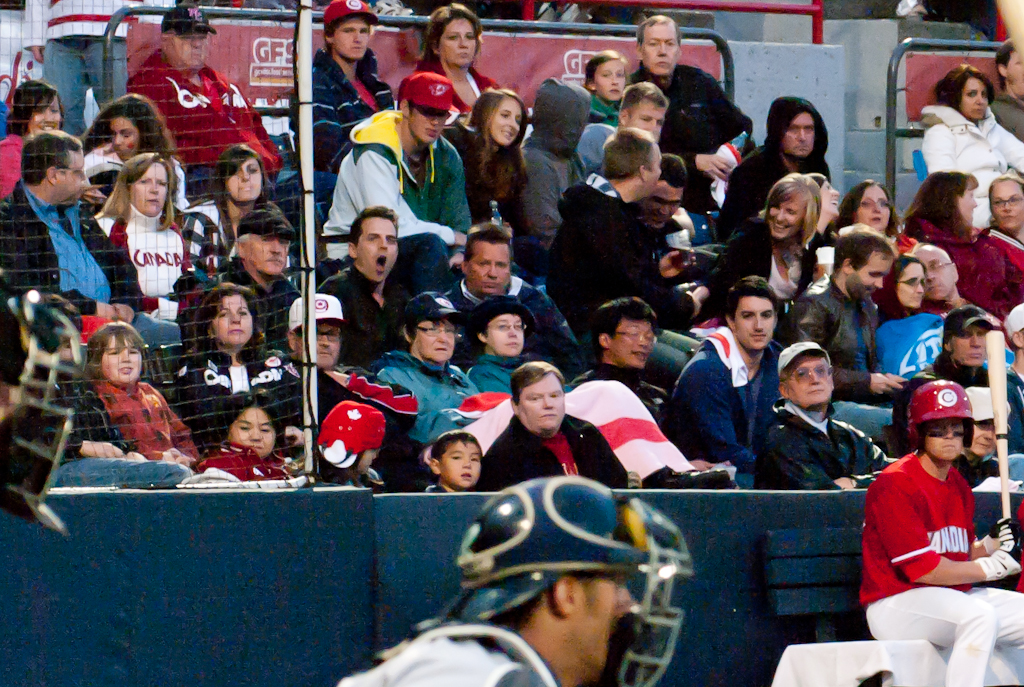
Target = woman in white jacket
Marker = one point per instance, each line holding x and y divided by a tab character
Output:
963	135
140	217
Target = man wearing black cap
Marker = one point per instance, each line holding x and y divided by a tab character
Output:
961	360
205	112
263	239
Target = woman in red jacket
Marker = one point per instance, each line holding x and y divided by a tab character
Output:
941	214
452	42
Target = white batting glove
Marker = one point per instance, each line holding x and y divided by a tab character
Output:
998	565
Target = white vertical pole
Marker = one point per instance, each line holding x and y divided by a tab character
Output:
304	75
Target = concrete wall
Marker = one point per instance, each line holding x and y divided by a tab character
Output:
766	71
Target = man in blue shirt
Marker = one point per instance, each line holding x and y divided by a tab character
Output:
49	243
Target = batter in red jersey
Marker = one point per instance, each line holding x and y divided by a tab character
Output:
921	556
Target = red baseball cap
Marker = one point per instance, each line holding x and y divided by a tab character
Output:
342	9
427	89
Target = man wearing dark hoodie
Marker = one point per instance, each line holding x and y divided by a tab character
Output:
599	252
796	142
560	114
700	116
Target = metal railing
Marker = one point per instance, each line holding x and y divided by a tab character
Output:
500	25
892	130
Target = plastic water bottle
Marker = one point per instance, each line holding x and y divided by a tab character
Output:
496	214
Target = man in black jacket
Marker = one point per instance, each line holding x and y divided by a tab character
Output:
806	448
602	252
961	360
541	440
624	336
838	314
374	305
700	116
797	141
50	243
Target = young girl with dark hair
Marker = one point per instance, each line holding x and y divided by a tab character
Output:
127	127
36	108
605	78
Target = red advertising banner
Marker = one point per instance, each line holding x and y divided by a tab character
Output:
260	59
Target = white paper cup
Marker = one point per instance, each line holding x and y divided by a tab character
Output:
826	258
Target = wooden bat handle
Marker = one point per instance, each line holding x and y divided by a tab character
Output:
995	347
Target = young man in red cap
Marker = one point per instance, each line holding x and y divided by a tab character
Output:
400	161
346	88
205	112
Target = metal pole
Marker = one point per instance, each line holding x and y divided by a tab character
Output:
304	76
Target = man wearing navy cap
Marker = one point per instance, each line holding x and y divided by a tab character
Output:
400	161
346	88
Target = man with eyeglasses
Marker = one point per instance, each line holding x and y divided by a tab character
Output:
940	278
400	161
50	243
807	448
337	383
921	557
624	332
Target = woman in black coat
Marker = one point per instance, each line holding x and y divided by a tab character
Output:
779	245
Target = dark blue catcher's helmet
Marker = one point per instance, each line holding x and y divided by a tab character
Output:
529	535
39	348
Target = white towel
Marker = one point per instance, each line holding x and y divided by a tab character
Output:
729	353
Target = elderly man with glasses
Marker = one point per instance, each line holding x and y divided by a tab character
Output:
806	447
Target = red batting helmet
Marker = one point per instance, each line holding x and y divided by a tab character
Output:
936	401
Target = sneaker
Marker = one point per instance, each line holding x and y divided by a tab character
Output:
392	8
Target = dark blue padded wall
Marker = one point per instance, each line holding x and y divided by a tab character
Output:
280	589
190	589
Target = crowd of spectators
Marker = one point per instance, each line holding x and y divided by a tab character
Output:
624	251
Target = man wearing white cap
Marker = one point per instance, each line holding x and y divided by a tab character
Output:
977	463
336	384
806	447
1014	326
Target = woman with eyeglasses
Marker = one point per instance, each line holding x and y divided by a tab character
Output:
431	330
908	340
497	330
1006	198
941	214
868	203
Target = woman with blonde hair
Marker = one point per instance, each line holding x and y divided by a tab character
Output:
778	245
140	217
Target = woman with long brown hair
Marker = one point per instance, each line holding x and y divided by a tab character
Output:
490	148
941	214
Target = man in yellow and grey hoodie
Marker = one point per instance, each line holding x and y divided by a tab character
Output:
400	161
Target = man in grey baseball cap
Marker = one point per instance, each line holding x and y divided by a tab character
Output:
806	448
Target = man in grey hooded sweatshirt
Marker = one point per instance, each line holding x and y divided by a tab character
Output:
560	114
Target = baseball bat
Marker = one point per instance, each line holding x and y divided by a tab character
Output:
996	348
1012	12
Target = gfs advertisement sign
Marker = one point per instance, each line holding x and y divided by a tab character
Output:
260	59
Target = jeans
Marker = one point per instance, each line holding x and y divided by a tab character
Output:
423	264
118	472
156	332
74	65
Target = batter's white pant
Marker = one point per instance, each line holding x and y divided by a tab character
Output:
971	622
